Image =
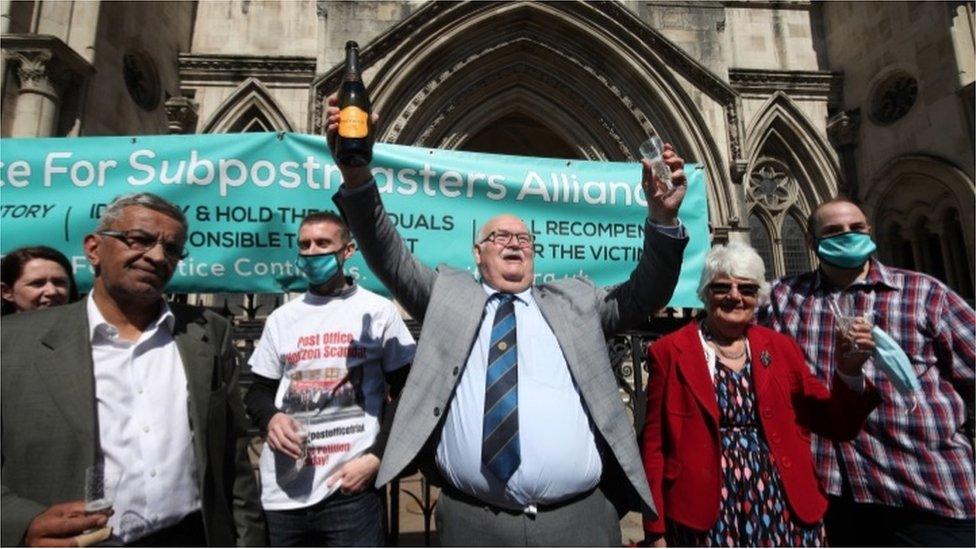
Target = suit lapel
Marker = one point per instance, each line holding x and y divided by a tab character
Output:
197	355
66	367
694	370
563	330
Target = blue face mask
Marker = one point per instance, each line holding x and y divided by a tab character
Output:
846	250
319	268
893	361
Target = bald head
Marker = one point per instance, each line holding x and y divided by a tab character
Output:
504	254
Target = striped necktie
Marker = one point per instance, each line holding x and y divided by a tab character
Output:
500	442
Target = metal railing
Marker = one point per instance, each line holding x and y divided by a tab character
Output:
626	351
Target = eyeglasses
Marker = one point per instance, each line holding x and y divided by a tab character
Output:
504	238
140	241
722	289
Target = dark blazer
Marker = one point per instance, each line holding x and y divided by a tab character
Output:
681	439
49	430
451	303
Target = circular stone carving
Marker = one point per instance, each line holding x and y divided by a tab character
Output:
893	98
141	79
771	185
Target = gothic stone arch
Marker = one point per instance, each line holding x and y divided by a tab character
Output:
250	107
600	78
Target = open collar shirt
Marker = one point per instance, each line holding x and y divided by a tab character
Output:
907	455
143	425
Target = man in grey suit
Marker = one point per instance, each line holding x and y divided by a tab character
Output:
144	388
511	388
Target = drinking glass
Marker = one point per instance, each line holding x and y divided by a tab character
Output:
845	310
653	150
100	487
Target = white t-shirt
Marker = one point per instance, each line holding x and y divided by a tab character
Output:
330	354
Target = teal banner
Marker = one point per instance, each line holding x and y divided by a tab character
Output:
245	194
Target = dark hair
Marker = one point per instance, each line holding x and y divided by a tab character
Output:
328	217
12	267
812	218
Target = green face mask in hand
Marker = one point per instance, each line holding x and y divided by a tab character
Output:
846	250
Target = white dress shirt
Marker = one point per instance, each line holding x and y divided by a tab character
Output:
143	425
559	456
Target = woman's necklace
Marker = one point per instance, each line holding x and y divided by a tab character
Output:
718	348
736	356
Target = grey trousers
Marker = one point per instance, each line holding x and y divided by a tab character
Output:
591	521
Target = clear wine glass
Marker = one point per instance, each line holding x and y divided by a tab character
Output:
845	310
101	484
653	150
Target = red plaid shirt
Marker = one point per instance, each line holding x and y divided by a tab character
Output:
903	458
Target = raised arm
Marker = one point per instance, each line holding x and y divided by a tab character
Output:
385	252
652	282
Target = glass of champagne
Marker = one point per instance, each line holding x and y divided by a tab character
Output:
100	487
653	150
845	311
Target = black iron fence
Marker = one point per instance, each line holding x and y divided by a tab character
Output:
626	352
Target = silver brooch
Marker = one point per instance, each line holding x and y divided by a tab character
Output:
765	358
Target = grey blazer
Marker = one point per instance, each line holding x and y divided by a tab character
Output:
49	428
450	303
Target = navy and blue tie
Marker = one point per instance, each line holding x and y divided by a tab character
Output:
500	441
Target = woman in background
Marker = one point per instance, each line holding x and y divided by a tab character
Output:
35	277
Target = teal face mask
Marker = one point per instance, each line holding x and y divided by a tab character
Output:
319	268
893	361
846	250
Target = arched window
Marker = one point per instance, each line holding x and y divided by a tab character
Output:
899	248
796	260
930	245
958	264
761	241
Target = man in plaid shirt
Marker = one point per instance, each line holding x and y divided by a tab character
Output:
908	478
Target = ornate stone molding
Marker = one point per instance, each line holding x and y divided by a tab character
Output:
214	67
181	114
765	82
842	128
32	71
525	72
772	185
44	63
769	4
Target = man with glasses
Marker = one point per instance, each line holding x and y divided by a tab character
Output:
511	397
907	479
142	388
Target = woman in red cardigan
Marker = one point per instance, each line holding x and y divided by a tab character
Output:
730	407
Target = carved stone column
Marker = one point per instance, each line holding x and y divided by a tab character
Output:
322	55
36	114
181	114
46	69
842	129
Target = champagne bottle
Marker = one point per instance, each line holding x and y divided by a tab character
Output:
354	140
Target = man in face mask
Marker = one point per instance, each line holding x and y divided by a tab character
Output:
907	479
321	373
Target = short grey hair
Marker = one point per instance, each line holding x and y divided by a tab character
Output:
735	259
146	200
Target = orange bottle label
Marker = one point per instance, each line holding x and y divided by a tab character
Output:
352	122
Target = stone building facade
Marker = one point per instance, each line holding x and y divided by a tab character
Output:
785	103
